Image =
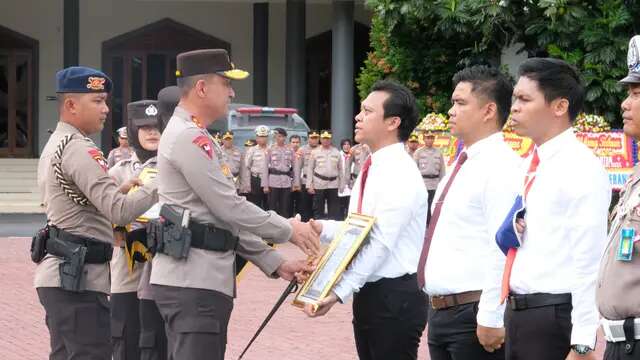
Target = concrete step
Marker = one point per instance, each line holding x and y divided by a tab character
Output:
21	208
20	197
26	182
26	174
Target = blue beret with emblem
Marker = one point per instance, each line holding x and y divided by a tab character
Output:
82	79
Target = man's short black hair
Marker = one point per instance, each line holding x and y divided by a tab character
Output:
556	79
343	141
280	131
294	137
400	103
490	83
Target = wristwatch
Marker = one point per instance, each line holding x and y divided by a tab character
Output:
581	349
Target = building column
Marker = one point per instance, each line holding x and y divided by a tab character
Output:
260	53
342	70
71	36
295	62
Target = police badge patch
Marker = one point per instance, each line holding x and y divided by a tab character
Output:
99	158
204	143
95	83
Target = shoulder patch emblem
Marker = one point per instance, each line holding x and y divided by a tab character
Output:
99	158
204	143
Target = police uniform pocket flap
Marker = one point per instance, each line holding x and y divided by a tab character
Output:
147	339
198	324
117	328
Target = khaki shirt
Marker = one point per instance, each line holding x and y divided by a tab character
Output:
122	280
430	163
118	154
281	158
618	287
84	166
359	154
302	160
193	175
253	165
233	158
325	162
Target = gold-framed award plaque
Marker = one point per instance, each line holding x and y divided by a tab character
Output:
341	251
147	174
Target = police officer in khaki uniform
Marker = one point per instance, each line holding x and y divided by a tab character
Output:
305	209
618	288
233	156
253	166
431	165
82	202
359	153
122	151
412	144
194	284
129	257
278	174
325	177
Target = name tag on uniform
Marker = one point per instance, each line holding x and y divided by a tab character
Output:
625	247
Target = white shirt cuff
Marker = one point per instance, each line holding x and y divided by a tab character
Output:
492	319
343	291
329	228
584	335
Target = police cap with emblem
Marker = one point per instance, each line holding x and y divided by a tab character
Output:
122	132
207	61
313	134
228	135
139	114
326	134
168	99
633	62
250	143
413	137
82	79
262	130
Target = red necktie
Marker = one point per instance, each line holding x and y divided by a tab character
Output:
511	254
363	180
434	220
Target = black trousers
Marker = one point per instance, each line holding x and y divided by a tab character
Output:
452	335
538	333
196	321
389	316
294	203
257	195
617	351
305	208
430	195
125	326
344	206
280	201
153	339
78	324
330	196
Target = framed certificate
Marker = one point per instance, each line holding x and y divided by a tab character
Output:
341	251
147	174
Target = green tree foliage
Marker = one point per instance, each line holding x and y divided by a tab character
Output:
422	43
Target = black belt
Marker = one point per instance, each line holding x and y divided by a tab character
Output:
98	252
430	176
279	172
325	178
209	237
530	301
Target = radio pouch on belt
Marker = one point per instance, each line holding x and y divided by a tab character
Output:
39	245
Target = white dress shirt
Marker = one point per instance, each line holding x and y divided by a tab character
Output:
395	195
464	255
566	230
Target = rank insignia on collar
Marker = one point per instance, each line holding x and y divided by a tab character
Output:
204	143
95	83
99	158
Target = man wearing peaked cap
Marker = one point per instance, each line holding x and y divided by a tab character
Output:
82	202
305	208
326	177
618	285
252	168
197	185
122	151
431	165
278	174
131	252
412	144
